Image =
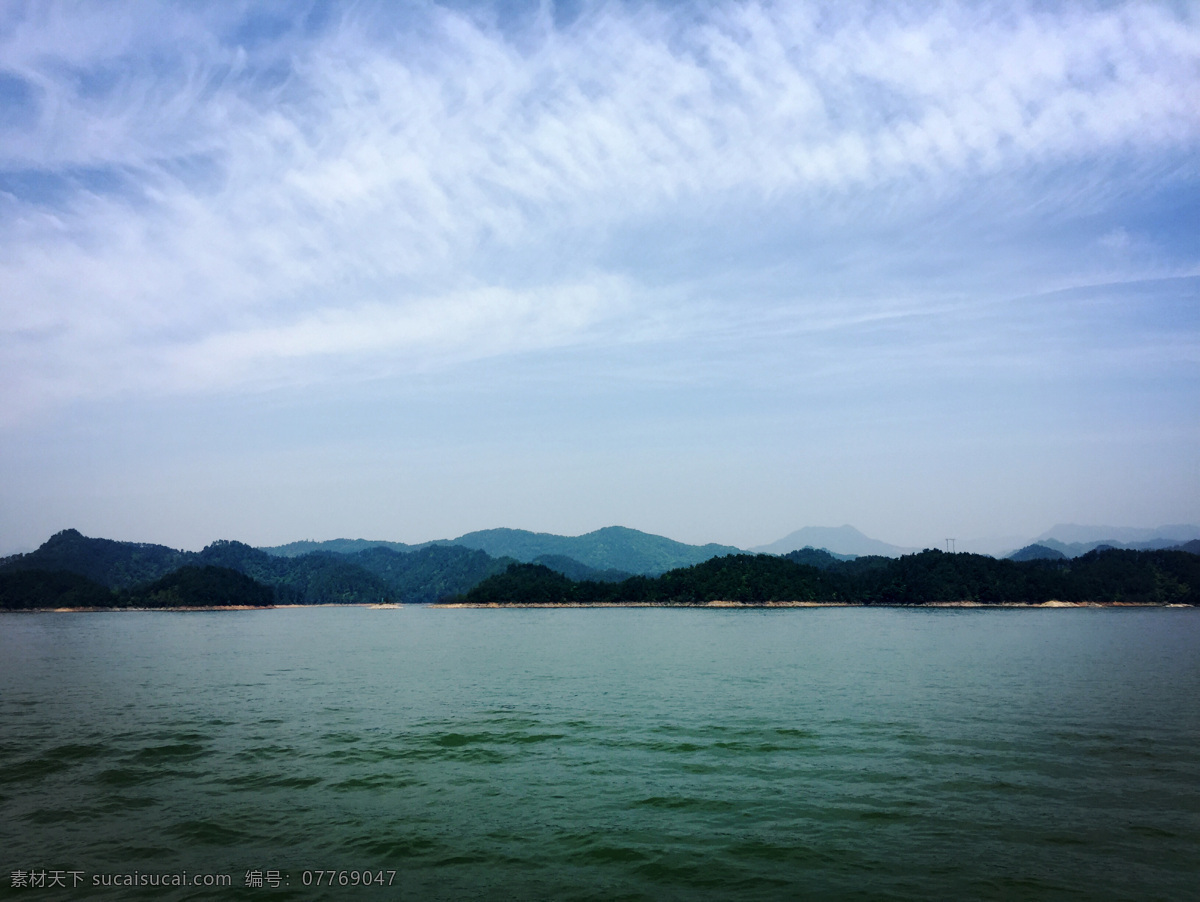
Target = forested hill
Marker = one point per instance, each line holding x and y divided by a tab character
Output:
71	570
613	548
430	573
607	554
342	572
376	574
1110	576
187	587
117	565
337	546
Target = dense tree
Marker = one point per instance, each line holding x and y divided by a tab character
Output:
117	565
573	569
71	570
430	573
33	589
185	587
205	586
1135	577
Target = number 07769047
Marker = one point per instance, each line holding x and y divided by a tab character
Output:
347	878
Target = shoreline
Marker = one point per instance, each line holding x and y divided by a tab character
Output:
738	605
704	605
183	609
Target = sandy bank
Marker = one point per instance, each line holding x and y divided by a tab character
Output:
812	604
722	604
114	610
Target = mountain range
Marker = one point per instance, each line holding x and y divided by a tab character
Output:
311	570
1067	539
616	550
1130	536
1073	540
356	570
342	570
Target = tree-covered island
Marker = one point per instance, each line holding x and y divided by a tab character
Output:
74	571
930	577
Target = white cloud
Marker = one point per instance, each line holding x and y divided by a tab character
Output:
466	325
380	193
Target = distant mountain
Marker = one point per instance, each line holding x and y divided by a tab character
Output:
1120	536
430	573
834	539
1076	549
1037	553
336	546
1192	547
610	548
308	579
608	554
996	546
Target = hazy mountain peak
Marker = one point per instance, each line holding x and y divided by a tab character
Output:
844	539
65	535
1037	553
1075	533
337	546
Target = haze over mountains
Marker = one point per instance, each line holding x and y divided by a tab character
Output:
620	550
1072	540
613	552
613	548
1074	533
610	548
75	570
836	540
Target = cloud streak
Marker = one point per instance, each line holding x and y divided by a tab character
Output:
196	200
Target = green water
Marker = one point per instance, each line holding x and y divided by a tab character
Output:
606	754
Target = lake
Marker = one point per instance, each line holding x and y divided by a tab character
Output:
829	753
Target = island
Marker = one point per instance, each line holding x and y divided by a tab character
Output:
74	572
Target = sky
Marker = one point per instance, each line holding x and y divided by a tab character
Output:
716	271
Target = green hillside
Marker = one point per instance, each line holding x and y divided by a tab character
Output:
71	570
610	548
376	574
191	586
572	569
308	579
430	574
117	565
1111	576
336	546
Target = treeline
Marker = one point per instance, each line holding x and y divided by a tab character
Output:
71	570
118	573
1108	576
187	587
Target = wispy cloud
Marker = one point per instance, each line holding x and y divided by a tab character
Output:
202	198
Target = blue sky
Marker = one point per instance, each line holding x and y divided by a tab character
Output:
716	271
